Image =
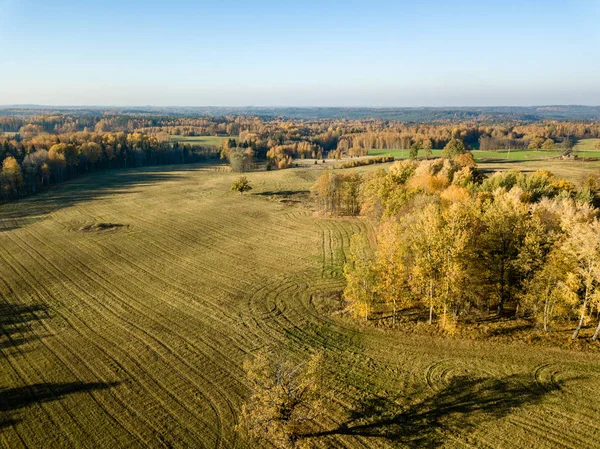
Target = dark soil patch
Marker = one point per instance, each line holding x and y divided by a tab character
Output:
102	227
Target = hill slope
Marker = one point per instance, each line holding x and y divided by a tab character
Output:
130	300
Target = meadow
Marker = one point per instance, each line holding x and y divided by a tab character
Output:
584	148
131	298
587	145
209	141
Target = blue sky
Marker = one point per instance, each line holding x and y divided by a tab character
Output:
304	53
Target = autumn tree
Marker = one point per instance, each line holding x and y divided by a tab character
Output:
241	159
360	276
12	178
427	257
414	150
337	194
32	167
56	161
92	153
548	144
503	232
546	294
583	280
287	399
71	156
454	148
427	148
349	185
390	266
324	190
442	250
536	143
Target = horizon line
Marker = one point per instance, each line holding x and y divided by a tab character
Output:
5	106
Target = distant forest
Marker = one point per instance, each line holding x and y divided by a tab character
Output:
415	114
43	146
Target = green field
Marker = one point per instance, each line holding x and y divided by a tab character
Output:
130	300
574	171
480	156
209	141
585	148
587	145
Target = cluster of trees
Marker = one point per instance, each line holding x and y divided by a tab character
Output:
338	194
241	158
282	140
281	156
113	121
488	143
367	161
33	163
459	245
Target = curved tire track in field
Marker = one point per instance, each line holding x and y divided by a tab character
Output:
439	374
81	361
157	347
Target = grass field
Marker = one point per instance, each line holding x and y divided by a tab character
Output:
130	300
480	156
585	148
208	141
573	171
587	145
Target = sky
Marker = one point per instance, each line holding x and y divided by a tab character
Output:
299	53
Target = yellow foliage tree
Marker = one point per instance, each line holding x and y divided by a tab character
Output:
360	276
286	399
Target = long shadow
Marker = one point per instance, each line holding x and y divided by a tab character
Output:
286	193
459	406
492	170
511	330
16	323
16	328
12	399
7	422
89	187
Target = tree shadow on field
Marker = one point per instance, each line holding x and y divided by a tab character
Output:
286	193
456	407
7	422
16	322
504	165
88	187
12	399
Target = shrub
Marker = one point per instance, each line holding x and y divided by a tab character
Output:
241	185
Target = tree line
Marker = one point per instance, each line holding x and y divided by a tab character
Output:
93	140
28	165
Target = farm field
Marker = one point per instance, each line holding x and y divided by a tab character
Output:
585	148
211	141
587	145
514	155
130	299
573	171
